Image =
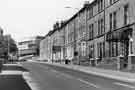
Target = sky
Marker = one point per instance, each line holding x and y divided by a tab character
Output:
28	18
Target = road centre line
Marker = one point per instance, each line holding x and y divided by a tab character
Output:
124	85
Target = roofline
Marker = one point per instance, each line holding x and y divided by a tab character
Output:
73	17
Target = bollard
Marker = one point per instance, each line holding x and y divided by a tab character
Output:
120	62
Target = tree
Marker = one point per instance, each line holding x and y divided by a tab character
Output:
7	45
11	45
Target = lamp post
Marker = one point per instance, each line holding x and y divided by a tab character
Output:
8	47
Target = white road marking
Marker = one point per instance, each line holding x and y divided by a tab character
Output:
88	83
66	75
124	85
62	74
54	71
71	77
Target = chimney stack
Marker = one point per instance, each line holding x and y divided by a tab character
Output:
86	3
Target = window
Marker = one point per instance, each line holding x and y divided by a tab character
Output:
65	52
83	49
100	5
112	1
91	31
98	49
101	49
110	49
91	51
114	20
126	14
113	49
101	26
116	49
98	27
110	21
90	12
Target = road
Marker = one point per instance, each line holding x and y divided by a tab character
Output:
50	77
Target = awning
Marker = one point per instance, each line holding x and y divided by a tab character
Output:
119	35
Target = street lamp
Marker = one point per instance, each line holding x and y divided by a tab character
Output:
75	52
8	47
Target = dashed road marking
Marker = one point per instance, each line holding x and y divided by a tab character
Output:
66	75
62	74
54	71
88	83
71	77
124	85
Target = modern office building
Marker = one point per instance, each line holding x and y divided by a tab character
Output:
29	46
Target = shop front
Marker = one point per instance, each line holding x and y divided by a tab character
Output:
119	44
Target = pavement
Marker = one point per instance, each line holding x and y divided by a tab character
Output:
112	74
11	78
